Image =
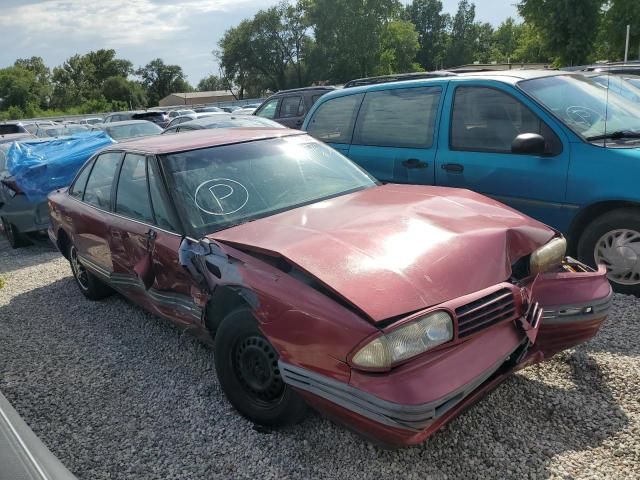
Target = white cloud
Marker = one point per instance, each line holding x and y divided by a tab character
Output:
115	22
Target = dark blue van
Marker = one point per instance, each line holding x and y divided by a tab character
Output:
552	144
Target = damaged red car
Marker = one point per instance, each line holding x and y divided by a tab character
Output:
389	308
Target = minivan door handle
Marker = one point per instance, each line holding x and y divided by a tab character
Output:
453	167
414	163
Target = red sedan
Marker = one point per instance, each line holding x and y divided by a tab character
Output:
388	307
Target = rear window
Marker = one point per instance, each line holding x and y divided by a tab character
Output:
333	120
398	118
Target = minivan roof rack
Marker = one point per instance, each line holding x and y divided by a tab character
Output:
400	77
302	89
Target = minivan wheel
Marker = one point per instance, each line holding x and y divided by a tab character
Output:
90	286
613	240
247	368
15	238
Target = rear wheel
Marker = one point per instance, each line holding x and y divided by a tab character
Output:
15	238
613	240
247	368
90	286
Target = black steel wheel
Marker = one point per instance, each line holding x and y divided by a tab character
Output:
247	368
15	238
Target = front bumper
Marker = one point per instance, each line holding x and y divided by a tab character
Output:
407	404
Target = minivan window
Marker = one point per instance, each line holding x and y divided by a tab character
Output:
269	109
132	197
486	119
398	118
291	107
333	120
77	189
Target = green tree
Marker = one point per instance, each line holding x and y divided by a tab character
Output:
483	43
106	65
617	14
348	35
43	77
211	83
119	89
266	50
567	27
73	82
19	88
506	40
399	45
160	80
461	45
531	47
431	25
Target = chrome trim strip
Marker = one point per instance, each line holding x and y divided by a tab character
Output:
577	312
408	417
124	280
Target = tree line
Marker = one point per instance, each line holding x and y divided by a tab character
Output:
329	42
332	41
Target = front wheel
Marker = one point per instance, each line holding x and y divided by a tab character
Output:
247	368
613	239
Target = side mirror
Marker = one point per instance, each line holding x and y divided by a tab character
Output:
529	144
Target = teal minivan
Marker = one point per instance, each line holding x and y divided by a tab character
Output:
554	145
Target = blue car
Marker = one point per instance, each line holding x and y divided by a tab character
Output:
551	144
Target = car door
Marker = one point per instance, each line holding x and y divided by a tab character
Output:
480	123
90	221
333	121
394	137
145	255
291	112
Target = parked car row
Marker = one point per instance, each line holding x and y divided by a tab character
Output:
342	266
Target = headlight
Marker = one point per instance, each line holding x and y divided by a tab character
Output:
407	341
548	256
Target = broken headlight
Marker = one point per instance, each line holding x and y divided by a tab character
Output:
409	340
548	256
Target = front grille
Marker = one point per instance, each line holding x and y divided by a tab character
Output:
484	312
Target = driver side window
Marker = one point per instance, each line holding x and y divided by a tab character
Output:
487	120
269	109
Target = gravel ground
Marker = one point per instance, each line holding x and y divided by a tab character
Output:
117	393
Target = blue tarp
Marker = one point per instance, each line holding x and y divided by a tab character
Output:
40	167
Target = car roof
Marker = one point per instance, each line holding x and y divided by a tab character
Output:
504	76
124	122
161	144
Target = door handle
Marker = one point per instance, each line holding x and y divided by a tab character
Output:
453	167
414	163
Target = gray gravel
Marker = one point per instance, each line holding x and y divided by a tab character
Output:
118	393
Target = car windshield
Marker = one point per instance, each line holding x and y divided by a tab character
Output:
219	187
584	106
62	131
618	85
122	132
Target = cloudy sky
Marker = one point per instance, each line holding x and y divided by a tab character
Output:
182	32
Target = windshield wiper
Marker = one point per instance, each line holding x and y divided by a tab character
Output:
617	135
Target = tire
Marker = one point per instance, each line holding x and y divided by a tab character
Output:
15	238
614	238
247	368
90	286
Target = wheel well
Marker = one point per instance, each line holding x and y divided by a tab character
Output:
223	301
586	215
63	243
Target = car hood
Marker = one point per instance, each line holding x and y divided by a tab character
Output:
395	249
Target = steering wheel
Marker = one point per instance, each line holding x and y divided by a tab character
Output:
584	116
